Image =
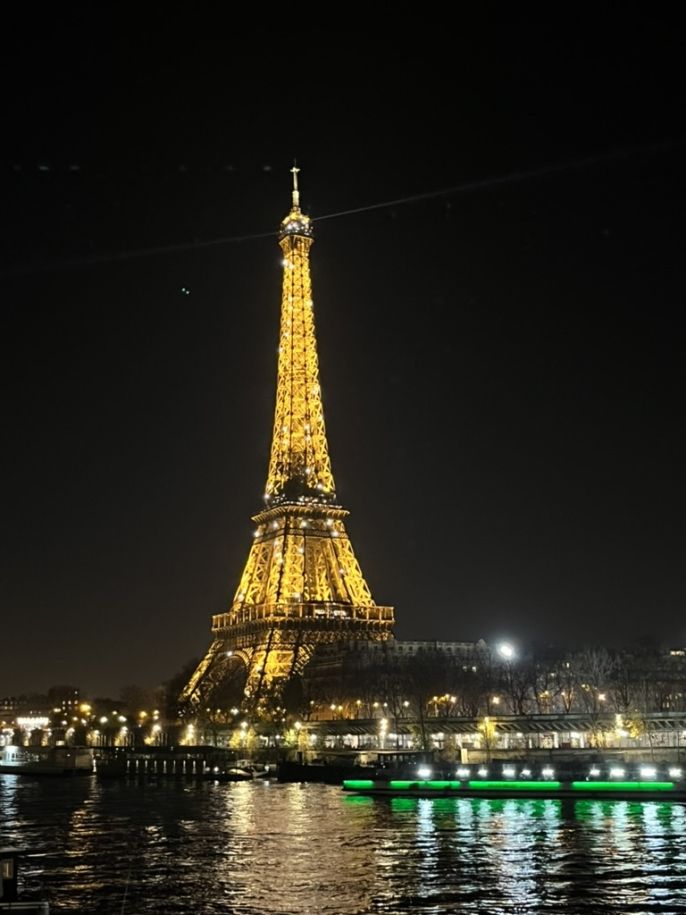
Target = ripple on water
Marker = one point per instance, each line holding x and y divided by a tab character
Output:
254	849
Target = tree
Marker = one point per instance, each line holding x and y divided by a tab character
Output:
293	697
171	689
517	677
545	681
420	673
488	731
595	667
566	675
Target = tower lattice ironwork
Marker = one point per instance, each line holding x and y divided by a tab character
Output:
302	584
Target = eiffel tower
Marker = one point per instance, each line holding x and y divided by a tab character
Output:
302	585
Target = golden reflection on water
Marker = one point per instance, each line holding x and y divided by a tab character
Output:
273	849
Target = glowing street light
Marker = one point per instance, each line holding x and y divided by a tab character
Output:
505	650
383	731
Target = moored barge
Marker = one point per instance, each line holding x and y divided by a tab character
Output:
646	781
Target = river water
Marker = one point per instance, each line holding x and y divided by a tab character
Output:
124	847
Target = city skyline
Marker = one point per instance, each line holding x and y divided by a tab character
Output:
500	362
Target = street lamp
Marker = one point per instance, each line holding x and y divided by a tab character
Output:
508	655
505	650
383	730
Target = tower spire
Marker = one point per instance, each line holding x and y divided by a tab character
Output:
299	463
295	192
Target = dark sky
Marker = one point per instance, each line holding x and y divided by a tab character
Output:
501	367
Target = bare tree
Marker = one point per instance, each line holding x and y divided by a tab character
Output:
422	685
566	675
595	668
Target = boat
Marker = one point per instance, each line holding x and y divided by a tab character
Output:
46	760
609	780
241	771
11	900
331	767
324	772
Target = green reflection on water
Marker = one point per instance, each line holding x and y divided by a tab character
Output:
403	804
537	809
665	811
543	808
586	810
358	800
548	808
443	804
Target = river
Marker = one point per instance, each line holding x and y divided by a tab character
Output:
116	846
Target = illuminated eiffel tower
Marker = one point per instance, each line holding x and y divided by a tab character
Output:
302	585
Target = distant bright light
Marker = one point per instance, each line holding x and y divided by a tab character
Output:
675	772
595	772
483	772
506	650
424	772
617	772
648	771
33	722
547	772
509	771
463	773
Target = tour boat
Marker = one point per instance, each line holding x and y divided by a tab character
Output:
617	781
241	771
46	760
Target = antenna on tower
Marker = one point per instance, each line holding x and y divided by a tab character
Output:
296	192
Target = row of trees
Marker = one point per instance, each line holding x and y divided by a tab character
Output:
432	683
385	681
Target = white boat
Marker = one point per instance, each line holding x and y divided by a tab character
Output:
240	771
46	760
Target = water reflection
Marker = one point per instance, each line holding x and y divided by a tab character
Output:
8	798
263	848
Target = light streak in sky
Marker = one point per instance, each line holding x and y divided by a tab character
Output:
455	190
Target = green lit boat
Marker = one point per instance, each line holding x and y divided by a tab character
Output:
644	781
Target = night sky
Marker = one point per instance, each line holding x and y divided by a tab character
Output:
501	365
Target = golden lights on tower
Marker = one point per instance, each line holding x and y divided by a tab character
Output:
302	584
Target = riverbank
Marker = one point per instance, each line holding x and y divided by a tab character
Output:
332	767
